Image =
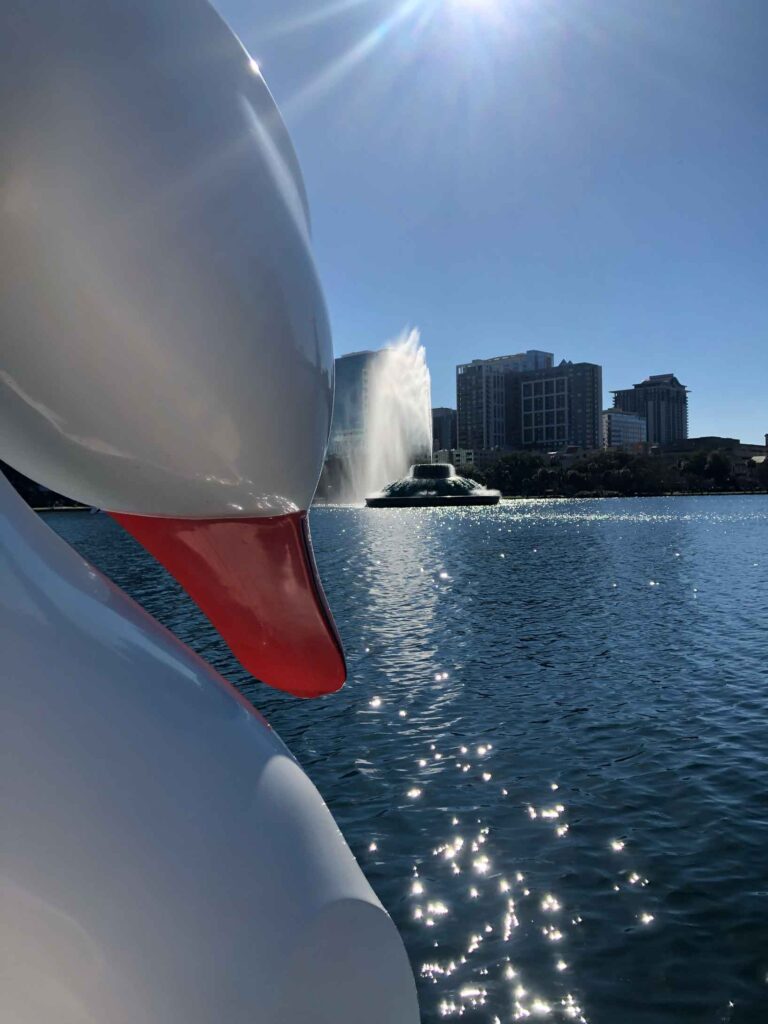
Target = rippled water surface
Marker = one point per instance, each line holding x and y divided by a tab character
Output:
551	758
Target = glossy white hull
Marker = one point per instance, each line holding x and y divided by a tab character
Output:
163	859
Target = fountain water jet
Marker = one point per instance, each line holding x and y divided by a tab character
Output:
382	419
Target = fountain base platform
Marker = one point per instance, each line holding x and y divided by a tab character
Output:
433	485
432	501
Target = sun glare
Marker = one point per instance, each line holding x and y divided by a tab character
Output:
484	9
476	4
433	25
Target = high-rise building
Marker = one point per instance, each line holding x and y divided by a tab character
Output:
443	428
663	402
480	396
555	407
623	429
350	404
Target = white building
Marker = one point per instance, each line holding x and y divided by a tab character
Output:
623	429
461	458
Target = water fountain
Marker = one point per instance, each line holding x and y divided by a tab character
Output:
431	485
382	420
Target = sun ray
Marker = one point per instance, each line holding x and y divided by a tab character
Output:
334	73
305	21
382	75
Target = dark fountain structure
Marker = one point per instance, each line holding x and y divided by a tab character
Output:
430	485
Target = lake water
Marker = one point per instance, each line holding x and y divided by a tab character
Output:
551	758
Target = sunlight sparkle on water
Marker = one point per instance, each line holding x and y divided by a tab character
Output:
556	756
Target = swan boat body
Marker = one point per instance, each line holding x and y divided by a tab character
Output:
163	857
164	355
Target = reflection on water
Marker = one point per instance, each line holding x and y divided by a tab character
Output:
551	756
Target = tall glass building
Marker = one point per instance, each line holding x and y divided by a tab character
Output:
351	404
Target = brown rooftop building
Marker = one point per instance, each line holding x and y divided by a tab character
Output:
663	402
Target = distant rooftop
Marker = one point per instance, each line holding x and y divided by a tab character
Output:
663	378
655	380
514	356
362	352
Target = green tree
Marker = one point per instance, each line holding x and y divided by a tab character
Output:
472	473
513	473
697	464
718	468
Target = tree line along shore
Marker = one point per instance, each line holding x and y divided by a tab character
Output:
601	474
618	474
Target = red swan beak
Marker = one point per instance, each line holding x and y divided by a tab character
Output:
257	582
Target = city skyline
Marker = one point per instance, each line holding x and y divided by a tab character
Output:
663	425
699	424
576	177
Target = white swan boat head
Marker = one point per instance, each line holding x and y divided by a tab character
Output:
164	354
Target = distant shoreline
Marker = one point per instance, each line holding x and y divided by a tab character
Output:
513	497
596	494
61	508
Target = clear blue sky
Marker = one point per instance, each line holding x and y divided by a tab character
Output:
588	177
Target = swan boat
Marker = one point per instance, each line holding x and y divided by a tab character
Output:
165	356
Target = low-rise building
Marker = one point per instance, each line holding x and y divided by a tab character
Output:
566	456
461	458
745	460
623	429
730	445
